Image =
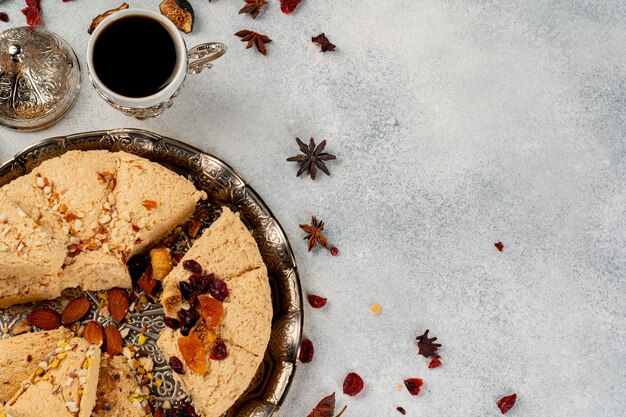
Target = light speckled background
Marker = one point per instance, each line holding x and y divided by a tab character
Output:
456	124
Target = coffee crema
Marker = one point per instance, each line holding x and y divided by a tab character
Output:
135	56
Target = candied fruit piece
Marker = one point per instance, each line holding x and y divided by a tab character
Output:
353	384
194	354
212	311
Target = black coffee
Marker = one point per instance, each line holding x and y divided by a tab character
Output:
135	56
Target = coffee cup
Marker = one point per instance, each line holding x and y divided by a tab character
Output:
138	61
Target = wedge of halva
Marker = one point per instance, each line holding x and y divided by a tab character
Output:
30	260
63	385
20	355
118	393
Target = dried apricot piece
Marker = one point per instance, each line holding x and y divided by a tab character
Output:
194	354
212	311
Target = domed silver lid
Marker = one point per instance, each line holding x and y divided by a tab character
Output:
39	78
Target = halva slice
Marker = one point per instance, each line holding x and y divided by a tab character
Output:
20	355
223	383
119	394
30	260
63	385
225	249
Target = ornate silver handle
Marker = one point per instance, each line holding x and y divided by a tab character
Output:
201	56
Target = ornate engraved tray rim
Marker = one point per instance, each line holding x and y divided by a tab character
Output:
225	187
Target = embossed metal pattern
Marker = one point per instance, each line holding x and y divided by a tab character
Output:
224	186
39	78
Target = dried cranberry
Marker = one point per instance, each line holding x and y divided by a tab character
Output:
201	283
176	365
171	322
499	246
434	363
219	289
306	351
188	409
174	412
192	266
353	384
506	403
185	289
185	329
32	11
219	351
334	251
401	410
288	6
189	317
316	301
414	385
193	300
4	17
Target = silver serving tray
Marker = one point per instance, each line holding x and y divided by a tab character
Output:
223	186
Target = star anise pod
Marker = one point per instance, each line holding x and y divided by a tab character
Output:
426	346
314	233
323	42
253	7
312	158
254	38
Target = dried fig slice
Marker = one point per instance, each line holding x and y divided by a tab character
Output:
98	19
179	12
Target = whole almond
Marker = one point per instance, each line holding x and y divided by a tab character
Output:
94	333
112	340
75	310
44	318
118	303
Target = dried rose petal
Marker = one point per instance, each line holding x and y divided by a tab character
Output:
306	351
32	11
499	246
353	384
414	385
506	403
434	363
288	6
219	351
401	410
316	301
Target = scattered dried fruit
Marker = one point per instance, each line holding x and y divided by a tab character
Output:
219	351
312	158
499	246
75	310
149	204
353	384
314	233
211	310
334	251
401	410
252	7
326	408
118	303
185	289
32	11
188	317
306	351
192	266
98	19
176	365
161	261
4	17
434	363
323	42
194	354
506	403
426	346
179	12
254	38
317	301
414	385
113	343
376	309
171	322
218	289
201	283
94	333
44	318
146	283
288	6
